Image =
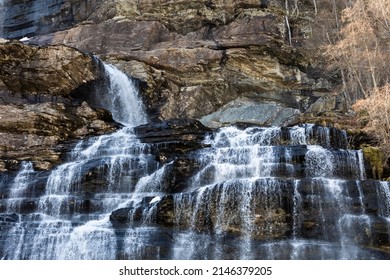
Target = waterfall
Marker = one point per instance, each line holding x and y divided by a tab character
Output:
255	193
124	102
383	191
67	221
19	187
257	186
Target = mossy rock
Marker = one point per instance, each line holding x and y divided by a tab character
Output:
376	158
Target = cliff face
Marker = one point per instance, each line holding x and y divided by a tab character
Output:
29	18
218	61
56	70
221	62
41	89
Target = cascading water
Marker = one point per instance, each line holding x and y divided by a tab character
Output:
123	102
69	217
257	193
277	195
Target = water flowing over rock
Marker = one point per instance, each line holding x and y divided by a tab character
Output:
97	165
72	190
183	191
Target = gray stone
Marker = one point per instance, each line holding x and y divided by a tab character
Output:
323	104
246	111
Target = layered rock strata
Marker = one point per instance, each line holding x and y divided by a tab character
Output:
41	89
206	59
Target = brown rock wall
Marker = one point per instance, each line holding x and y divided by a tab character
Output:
39	106
197	56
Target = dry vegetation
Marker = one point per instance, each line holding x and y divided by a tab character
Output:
363	59
354	38
359	52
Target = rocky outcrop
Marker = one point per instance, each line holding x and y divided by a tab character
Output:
35	72
33	132
174	142
244	110
201	57
41	89
176	131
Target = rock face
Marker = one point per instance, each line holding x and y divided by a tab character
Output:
37	71
41	89
174	142
244	110
197	57
28	18
234	192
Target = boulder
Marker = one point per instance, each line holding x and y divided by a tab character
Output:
251	112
